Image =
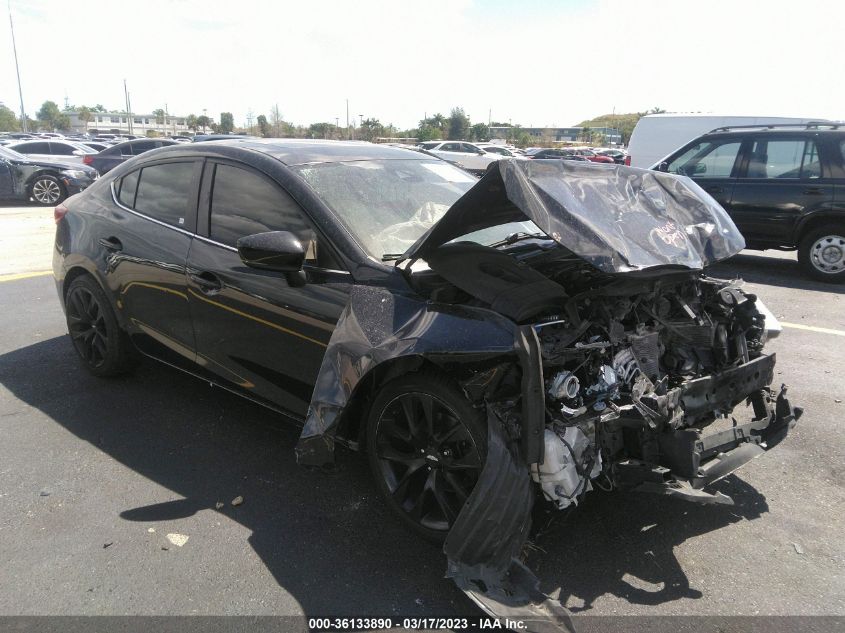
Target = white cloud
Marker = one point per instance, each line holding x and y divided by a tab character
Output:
539	63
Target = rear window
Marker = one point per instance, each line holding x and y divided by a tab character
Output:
128	187
783	159
163	192
61	149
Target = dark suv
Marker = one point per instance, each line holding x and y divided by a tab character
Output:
783	185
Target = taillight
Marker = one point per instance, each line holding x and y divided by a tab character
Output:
59	212
88	159
627	161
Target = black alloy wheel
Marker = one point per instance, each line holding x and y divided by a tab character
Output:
103	347
427	446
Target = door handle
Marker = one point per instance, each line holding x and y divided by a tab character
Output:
814	191
713	189
111	244
209	283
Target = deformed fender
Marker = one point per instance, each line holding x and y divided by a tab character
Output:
379	325
487	537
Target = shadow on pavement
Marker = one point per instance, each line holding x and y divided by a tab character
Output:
326	537
760	268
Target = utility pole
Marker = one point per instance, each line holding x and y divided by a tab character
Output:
24	126
336	123
128	109
348	137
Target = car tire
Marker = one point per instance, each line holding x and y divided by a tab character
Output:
47	190
821	253
103	347
426	445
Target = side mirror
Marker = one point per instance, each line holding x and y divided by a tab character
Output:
275	250
664	166
700	168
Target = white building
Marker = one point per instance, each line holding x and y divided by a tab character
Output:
122	123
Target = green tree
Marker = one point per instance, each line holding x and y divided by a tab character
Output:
371	129
227	123
8	121
263	126
191	122
203	122
160	116
458	125
51	118
85	116
479	132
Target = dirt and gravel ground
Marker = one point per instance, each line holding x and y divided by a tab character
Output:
115	495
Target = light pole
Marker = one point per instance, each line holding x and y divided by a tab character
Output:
24	126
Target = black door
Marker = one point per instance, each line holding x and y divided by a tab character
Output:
146	250
712	164
780	181
7	185
263	333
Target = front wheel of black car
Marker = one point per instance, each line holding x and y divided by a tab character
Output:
822	253
47	190
426	446
103	347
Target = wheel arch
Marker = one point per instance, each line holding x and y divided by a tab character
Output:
38	174
352	424
817	219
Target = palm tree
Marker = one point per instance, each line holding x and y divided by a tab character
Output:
84	115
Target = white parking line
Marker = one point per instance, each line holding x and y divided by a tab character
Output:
812	328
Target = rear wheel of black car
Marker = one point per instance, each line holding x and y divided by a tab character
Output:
47	190
822	253
103	347
426	446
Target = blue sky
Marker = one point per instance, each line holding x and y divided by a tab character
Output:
538	62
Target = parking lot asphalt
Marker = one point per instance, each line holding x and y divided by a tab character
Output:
102	480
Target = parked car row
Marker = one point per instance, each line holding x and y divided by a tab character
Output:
477	157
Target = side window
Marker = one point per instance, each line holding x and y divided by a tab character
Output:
164	191
708	159
451	147
61	149
143	146
33	148
472	149
788	158
244	202
128	187
111	151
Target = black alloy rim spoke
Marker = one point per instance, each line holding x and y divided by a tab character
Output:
428	458
87	326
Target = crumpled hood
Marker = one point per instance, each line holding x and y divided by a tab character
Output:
619	219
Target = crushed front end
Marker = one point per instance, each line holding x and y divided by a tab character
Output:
634	383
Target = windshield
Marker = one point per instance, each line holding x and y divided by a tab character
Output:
388	204
5	152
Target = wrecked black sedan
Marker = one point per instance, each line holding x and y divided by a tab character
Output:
535	333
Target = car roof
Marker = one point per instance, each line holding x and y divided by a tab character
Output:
305	151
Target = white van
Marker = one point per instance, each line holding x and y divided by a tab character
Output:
658	135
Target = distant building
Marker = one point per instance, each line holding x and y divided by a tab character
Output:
612	136
119	123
